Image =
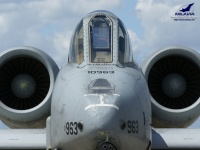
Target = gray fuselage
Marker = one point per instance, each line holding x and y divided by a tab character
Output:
100	99
97	104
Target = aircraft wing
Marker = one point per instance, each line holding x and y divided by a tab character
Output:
23	139
161	139
175	138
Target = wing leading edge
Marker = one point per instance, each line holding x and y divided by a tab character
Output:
23	139
175	138
161	139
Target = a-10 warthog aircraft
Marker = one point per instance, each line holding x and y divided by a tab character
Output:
101	99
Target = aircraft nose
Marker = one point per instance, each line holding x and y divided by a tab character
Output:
102	103
103	112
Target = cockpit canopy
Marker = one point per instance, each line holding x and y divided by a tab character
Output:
100	37
100	40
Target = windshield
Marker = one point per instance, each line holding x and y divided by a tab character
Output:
76	45
124	45
100	39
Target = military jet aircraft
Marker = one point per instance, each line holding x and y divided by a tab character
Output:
101	99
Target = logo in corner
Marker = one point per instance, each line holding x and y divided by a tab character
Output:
185	13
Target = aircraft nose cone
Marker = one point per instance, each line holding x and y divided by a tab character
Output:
174	85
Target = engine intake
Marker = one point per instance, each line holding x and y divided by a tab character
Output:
26	82
173	76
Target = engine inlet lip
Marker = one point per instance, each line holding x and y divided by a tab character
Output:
171	51
52	69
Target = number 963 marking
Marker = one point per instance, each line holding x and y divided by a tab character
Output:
132	126
71	128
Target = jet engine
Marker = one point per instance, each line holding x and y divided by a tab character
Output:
27	78
173	77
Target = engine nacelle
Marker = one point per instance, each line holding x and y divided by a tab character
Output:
27	78
173	76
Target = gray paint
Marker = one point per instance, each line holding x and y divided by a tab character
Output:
96	103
